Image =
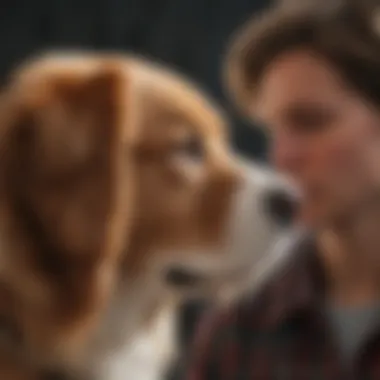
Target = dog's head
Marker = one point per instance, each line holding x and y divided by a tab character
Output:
204	222
112	166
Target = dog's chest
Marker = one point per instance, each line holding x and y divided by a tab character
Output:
130	345
146	356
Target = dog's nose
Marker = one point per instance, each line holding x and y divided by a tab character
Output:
182	277
282	206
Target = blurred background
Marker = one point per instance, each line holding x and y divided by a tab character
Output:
188	35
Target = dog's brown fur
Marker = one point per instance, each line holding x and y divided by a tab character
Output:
90	189
63	200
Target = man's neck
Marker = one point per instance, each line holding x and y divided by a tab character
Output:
351	253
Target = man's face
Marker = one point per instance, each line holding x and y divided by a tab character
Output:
325	137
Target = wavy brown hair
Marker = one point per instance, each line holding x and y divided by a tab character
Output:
345	33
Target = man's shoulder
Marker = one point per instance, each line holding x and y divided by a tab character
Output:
294	283
248	312
252	322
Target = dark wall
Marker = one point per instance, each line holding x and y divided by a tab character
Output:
190	35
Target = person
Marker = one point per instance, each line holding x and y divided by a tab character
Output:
311	76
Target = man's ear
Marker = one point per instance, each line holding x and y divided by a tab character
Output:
65	177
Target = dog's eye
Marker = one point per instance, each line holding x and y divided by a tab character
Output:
192	148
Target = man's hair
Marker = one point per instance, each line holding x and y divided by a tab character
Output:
347	35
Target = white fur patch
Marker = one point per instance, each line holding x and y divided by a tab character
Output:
253	245
146	356
126	346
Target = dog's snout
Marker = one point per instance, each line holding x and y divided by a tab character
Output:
182	277
282	206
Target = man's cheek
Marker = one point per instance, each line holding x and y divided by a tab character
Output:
341	178
343	162
371	161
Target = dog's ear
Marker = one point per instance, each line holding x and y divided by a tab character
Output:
64	169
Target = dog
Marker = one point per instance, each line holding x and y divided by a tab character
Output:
120	196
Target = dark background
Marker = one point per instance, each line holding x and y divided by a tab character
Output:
189	35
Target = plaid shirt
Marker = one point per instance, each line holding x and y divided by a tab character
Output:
280	334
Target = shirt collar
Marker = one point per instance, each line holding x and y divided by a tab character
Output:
297	289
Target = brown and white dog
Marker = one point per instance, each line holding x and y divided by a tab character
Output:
119	196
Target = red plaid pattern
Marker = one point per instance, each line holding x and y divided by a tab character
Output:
279	335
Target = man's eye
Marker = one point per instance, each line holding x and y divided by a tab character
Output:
310	121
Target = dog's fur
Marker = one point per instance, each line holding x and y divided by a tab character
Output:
113	172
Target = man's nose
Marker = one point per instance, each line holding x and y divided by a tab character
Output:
286	154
